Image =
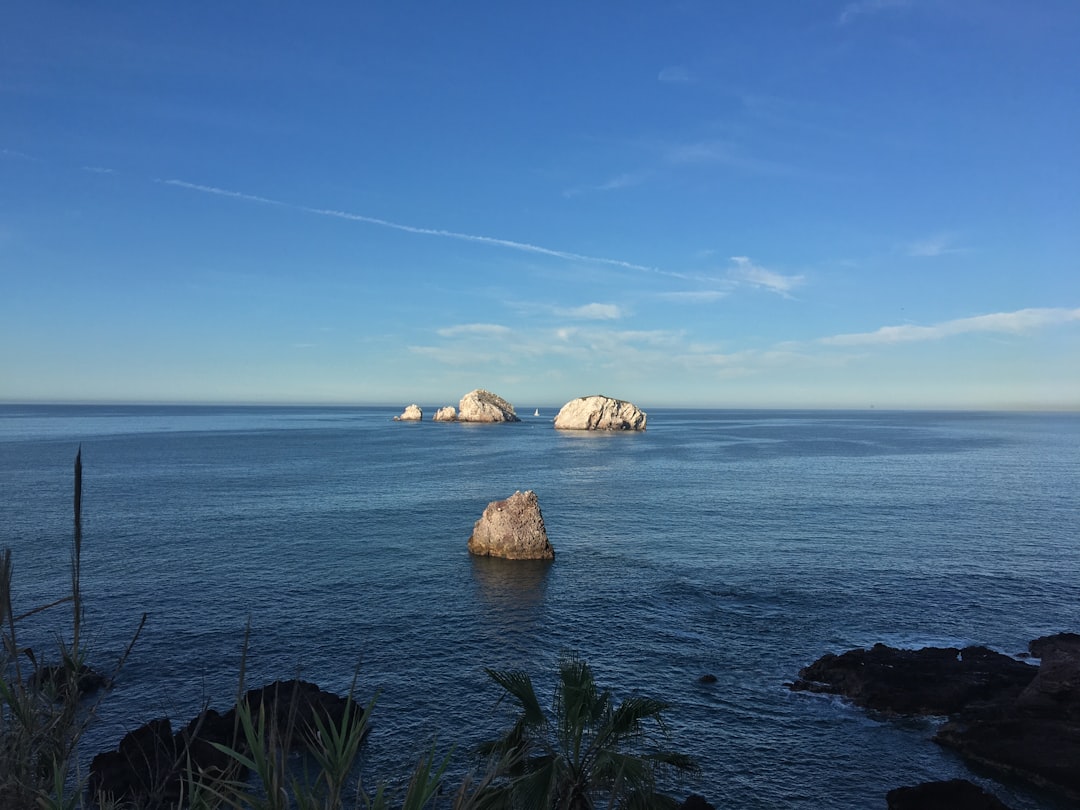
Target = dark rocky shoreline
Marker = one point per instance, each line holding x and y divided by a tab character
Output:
148	767
1017	719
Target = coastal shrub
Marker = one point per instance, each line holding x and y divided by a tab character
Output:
586	752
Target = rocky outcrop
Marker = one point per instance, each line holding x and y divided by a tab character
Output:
695	801
411	414
484	406
954	794
600	413
1035	735
148	767
512	529
58	680
447	414
930	681
1005	715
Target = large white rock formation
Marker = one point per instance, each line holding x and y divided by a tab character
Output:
447	414
512	529
484	406
411	414
600	413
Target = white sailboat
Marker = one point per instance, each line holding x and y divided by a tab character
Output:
536	412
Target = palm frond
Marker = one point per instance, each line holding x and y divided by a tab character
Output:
591	754
518	685
628	717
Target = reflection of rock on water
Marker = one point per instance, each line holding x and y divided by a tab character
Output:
512	587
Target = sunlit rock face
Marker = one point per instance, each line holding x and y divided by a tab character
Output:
410	414
484	406
512	529
600	413
447	414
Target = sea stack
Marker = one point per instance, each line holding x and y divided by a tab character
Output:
447	414
484	406
411	414
512	529
598	412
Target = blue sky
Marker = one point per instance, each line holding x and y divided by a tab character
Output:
774	204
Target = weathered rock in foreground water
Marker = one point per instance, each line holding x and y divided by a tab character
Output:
484	406
512	529
598	412
411	414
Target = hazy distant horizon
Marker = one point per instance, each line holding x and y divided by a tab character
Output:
527	408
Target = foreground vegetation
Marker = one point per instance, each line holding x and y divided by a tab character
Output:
584	752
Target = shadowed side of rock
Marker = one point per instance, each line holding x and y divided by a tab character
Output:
954	794
513	529
1035	735
147	769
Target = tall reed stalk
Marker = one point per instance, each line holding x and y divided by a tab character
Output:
42	717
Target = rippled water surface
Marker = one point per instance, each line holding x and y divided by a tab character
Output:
744	544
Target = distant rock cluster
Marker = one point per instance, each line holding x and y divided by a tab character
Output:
595	412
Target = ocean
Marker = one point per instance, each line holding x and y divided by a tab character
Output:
741	544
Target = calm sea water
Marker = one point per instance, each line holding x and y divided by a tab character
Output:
744	544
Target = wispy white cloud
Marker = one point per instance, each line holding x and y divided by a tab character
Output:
98	170
475	330
593	312
648	355
695	296
852	11
15	154
723	153
385	223
746	272
617	183
1018	322
675	74
939	245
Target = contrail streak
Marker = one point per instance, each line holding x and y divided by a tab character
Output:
385	223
